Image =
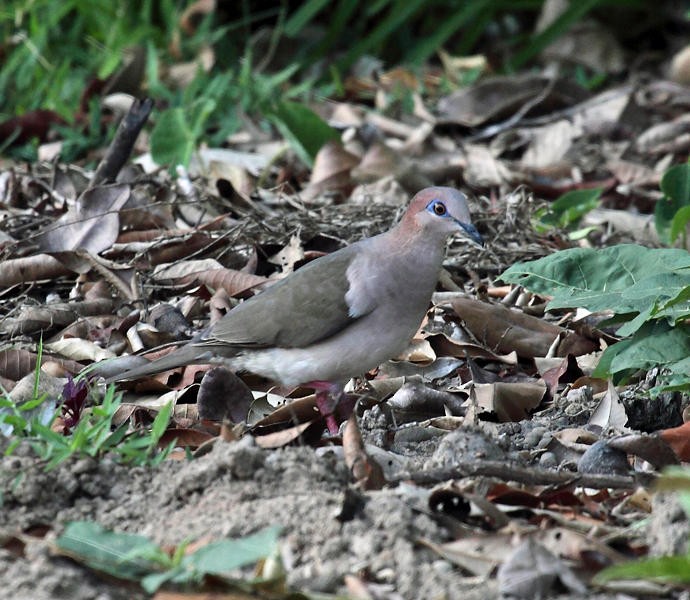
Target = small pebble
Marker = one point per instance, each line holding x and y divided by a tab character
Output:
548	460
601	459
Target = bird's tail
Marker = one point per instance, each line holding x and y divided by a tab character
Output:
121	369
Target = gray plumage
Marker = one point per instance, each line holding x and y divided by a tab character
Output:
340	315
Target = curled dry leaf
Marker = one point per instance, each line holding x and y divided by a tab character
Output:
638	226
477	555
223	395
194	12
185	437
610	413
660	449
306	433
483	169
510	401
32	319
232	281
500	97
92	224
656	139
504	330
366	472
378	161
549	144
79	349
418	351
332	171
679	439
532	571
28	269
178	248
300	410
414	400
566	371
445	346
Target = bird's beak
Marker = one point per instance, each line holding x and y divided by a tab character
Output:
472	234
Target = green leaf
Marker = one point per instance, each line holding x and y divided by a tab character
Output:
218	558
679	223
118	554
223	556
160	423
655	344
570	207
623	279
671	569
302	128
172	140
541	40
675	184
303	15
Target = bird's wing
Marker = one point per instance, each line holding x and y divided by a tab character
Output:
306	307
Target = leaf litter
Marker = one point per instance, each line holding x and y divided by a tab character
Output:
525	483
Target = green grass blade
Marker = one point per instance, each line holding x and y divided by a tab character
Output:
576	11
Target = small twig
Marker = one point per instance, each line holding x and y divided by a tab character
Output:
529	475
565	113
123	142
493	130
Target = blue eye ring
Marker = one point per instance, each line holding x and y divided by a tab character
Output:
438	208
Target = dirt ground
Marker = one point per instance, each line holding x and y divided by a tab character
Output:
239	488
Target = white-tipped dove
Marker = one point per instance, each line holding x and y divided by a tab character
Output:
342	314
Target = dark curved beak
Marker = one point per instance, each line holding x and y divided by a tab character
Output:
472	234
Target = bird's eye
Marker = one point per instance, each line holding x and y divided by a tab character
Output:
439	208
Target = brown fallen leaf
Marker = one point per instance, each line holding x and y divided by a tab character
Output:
92	224
503	330
566	372
28	269
500	97
281	438
510	401
365	471
332	172
222	394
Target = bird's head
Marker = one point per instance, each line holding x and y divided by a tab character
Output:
441	211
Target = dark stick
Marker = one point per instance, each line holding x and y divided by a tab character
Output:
123	142
529	475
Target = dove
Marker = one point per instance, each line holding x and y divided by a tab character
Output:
340	315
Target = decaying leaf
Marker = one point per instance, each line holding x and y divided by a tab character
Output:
366	472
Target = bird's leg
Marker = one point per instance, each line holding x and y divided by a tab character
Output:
328	394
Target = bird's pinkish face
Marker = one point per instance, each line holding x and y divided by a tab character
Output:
444	210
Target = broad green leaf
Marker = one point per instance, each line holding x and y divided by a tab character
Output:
655	344
302	128
225	555
218	558
606	279
107	551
